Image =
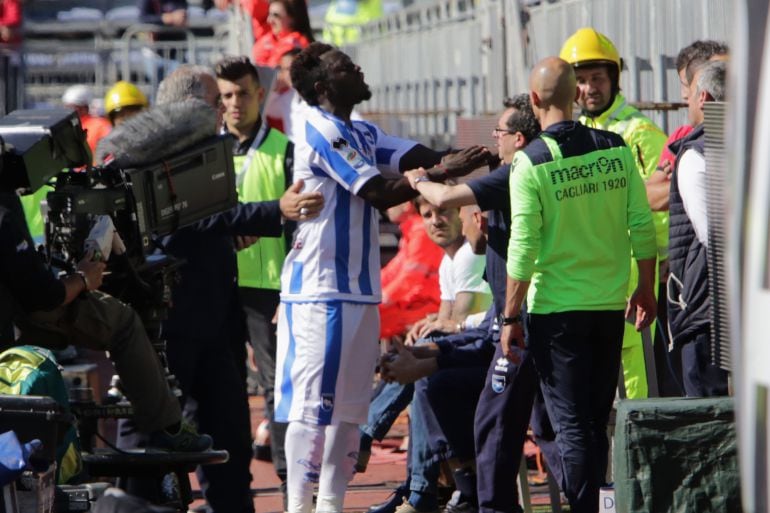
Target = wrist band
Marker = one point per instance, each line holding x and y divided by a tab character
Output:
84	278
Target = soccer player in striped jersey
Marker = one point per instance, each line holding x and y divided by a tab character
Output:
328	322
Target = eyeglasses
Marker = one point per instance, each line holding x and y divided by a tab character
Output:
499	132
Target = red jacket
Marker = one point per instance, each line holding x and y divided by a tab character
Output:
410	287
10	16
257	9
269	48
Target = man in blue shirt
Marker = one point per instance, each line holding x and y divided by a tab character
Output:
506	394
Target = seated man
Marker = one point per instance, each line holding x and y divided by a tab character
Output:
503	409
463	291
410	288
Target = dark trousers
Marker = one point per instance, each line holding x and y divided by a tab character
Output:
441	422
699	377
577	356
100	322
260	306
501	420
545	438
209	374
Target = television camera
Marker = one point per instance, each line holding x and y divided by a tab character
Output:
127	204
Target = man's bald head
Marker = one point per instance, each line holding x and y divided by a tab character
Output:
553	82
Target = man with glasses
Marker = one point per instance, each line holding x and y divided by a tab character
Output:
263	159
503	390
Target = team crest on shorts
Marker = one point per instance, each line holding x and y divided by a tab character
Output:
498	383
327	402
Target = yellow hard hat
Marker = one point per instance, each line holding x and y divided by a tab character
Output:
123	94
587	47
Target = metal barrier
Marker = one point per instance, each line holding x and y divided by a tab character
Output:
648	35
60	55
428	62
11	78
439	58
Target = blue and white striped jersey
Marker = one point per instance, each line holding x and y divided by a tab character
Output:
337	255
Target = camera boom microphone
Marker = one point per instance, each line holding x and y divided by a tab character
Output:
158	133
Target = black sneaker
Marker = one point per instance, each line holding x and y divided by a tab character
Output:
187	439
390	504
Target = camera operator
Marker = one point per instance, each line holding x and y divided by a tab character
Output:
55	312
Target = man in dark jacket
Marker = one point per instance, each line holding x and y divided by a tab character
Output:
689	302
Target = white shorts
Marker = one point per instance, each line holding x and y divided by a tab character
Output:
325	361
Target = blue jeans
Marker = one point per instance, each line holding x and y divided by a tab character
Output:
385	408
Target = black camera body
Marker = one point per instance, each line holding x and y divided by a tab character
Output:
35	145
145	202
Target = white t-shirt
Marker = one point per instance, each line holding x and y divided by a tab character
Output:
462	273
691	176
337	255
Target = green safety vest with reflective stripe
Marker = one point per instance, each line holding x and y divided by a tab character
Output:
574	223
344	19
646	142
259	265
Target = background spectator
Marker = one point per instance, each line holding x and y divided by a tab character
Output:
257	11
289	28
78	98
10	21
172	13
344	19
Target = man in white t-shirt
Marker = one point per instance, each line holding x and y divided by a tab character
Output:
461	273
328	321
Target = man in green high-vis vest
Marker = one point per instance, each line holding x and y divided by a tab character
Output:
263	165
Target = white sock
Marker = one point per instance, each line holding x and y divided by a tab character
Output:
304	452
340	456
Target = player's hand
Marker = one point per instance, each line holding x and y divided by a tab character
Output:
494	160
466	160
413	174
512	341
222	4
300	206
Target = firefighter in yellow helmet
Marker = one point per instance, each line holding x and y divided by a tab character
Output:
122	101
597	65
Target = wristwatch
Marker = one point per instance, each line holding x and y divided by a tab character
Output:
423	178
502	320
84	278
